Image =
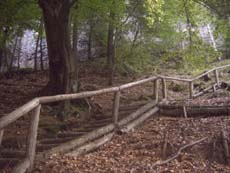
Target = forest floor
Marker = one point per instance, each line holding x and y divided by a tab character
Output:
134	152
138	151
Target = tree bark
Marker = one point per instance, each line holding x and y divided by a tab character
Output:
75	39
41	55
111	49
14	51
90	40
56	20
189	24
19	53
41	45
36	53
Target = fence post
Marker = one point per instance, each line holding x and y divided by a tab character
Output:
191	89
116	106
32	137
164	89
155	90
216	73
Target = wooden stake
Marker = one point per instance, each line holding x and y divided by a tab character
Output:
191	89
185	112
32	138
155	90
164	89
116	105
216	73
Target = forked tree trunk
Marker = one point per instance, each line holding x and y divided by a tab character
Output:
56	20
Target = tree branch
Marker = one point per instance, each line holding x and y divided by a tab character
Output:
158	163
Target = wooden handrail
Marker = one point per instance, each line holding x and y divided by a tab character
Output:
35	105
21	111
190	81
210	71
13	116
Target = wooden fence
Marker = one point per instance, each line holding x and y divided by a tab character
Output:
34	107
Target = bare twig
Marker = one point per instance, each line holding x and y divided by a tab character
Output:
158	163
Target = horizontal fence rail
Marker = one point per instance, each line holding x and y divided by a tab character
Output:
34	107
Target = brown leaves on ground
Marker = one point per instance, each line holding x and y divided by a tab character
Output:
136	152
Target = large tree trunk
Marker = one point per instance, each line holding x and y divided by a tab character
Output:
56	21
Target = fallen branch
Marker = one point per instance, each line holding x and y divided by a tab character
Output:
158	163
194	111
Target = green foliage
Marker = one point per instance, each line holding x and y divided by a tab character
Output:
153	11
131	60
195	57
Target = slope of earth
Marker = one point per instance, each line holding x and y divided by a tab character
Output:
18	88
136	152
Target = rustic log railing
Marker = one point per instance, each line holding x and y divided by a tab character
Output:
190	82
34	107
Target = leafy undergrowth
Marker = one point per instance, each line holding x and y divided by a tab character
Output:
137	151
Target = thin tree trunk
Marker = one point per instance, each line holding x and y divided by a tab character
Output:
19	53
41	46
41	55
40	30
14	51
227	40
189	24
36	53
110	49
90	41
75	39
